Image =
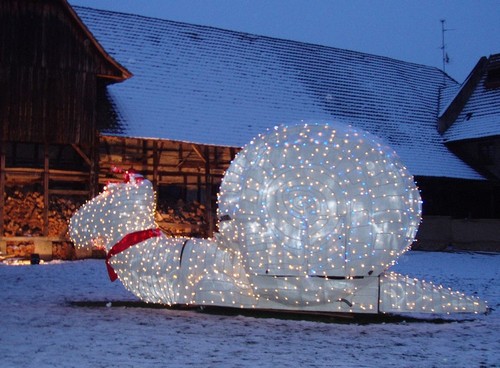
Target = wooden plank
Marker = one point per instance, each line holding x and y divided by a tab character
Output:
69	192
32	238
30	174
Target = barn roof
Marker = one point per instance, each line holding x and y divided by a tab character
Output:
480	115
211	86
122	73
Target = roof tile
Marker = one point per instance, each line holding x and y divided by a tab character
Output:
480	116
212	86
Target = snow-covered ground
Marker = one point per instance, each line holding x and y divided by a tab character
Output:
40	325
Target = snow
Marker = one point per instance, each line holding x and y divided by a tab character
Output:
479	116
212	86
41	326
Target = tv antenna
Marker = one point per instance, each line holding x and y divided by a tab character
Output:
446	58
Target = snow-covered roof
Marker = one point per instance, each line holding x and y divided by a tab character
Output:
448	93
211	86
480	116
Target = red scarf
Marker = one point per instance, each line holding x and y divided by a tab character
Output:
126	242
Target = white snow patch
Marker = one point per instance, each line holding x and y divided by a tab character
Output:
40	328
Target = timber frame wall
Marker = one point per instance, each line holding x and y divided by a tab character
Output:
178	170
193	171
57	169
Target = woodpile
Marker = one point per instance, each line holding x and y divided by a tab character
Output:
20	249
24	212
24	249
63	250
24	217
182	219
60	211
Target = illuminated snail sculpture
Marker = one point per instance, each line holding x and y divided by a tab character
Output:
311	218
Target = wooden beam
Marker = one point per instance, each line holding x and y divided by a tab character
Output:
184	190
31	238
46	189
232	153
54	174
201	154
183	160
93	174
208	193
198	193
69	192
82	154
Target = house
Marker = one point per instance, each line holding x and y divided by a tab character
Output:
191	96
470	125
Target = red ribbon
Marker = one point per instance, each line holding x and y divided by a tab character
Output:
126	242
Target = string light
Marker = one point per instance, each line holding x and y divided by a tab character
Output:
312	216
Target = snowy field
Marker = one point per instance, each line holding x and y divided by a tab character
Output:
41	326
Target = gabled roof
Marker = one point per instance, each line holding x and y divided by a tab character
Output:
121	72
211	86
449	92
479	115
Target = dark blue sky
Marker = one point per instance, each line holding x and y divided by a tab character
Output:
401	29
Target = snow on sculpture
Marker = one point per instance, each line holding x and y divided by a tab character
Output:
311	218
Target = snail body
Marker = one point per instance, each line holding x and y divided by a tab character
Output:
311	218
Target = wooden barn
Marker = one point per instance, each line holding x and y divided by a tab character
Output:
86	90
52	73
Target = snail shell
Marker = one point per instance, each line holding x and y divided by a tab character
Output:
318	200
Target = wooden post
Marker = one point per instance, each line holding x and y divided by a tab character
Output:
90	163
94	165
208	193
46	189
155	165
2	187
184	192
198	191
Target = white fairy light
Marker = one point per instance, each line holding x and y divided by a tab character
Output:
312	216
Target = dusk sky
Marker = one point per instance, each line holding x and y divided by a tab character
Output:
401	29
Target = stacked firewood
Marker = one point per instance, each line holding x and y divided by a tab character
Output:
63	250
20	249
60	211
24	217
180	212
24	249
180	218
24	212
